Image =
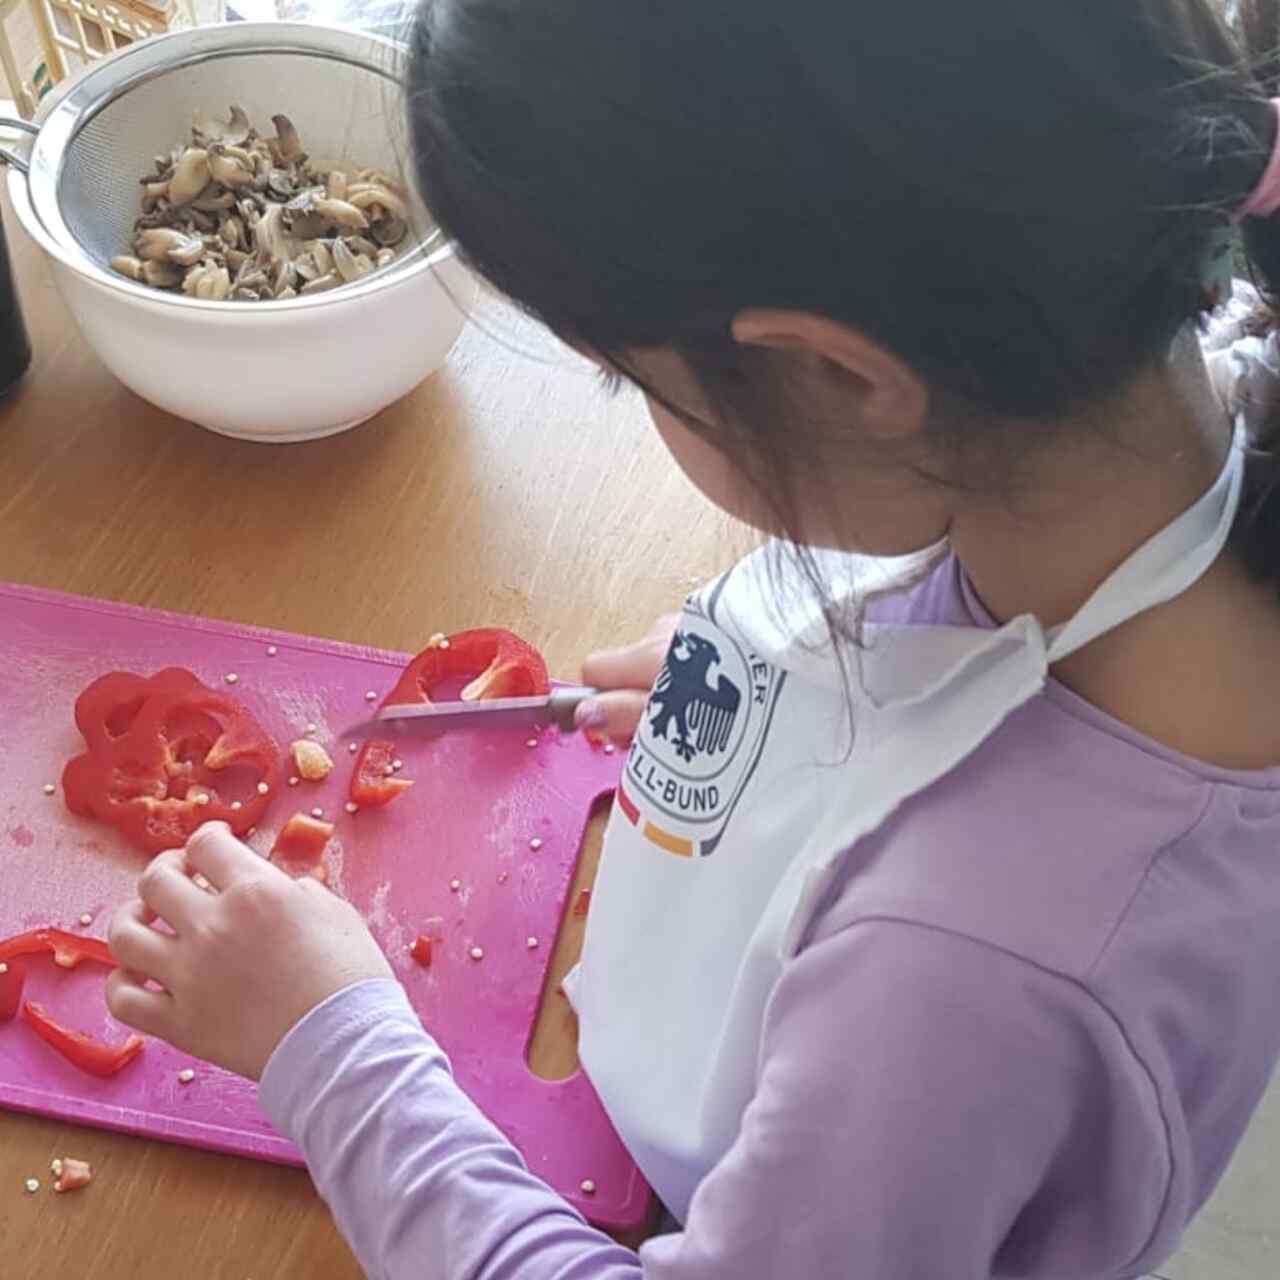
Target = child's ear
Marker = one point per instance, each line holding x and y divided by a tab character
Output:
891	401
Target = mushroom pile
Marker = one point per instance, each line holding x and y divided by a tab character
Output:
235	215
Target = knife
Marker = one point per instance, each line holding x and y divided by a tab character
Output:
555	708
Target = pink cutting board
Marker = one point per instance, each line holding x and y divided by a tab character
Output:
479	800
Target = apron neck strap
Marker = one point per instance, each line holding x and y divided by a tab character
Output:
1164	566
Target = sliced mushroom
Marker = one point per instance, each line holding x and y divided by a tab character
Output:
269	236
245	295
288	146
380	197
285	294
190	177
385	258
336	184
153	193
213	200
344	262
358	244
230	165
306	268
127	266
323	256
280	183
381	179
157	244
389	232
236	259
161	275
322	284
188	253
232	233
342	213
234	131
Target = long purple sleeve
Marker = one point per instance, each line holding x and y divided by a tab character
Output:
927	1106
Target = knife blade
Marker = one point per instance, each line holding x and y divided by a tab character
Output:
556	708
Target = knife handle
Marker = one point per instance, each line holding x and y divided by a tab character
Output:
564	702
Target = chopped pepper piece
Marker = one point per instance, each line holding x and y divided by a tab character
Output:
373	784
311	760
68	949
581	906
81	1050
73	1174
421	950
13	973
161	752
302	839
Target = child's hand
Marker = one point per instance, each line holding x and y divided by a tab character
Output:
243	963
625	677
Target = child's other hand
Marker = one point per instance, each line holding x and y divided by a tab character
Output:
243	963
625	678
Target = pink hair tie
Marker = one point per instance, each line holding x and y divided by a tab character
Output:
1266	195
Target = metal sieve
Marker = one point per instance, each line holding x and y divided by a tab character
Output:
98	136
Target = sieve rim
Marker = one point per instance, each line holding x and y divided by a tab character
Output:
66	113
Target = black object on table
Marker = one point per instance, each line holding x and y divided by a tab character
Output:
15	345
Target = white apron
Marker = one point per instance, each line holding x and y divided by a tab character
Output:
741	796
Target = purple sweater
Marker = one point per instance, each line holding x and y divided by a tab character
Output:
1025	1037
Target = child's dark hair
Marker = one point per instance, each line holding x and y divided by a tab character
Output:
1015	197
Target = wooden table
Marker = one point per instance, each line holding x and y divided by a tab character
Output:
507	490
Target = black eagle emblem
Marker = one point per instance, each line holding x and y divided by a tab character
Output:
702	713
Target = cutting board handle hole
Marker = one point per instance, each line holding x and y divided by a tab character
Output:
552	1053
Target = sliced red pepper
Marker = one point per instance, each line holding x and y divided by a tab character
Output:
302	839
82	1050
67	949
11	981
421	950
583	903
159	749
374	784
497	664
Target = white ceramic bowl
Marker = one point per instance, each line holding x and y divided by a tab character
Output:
275	371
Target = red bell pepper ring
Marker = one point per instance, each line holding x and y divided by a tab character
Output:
67	949
302	839
13	974
159	749
373	783
84	1051
497	664
421	950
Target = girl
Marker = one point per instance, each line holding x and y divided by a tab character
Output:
939	918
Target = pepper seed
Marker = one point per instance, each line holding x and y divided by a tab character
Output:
200	798
609	748
477	953
293	782
397	765
317	812
4	968
531	743
186	1075
535	844
531	942
353	747
263	788
86	918
237	805
49	788
55	1168
32	1185
455	885
370	696
351	807
272	651
231	677
587	1187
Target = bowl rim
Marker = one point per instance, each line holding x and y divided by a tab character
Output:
167	54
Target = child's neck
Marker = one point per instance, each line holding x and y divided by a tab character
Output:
1200	674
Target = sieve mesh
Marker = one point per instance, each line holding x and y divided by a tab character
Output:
347	114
